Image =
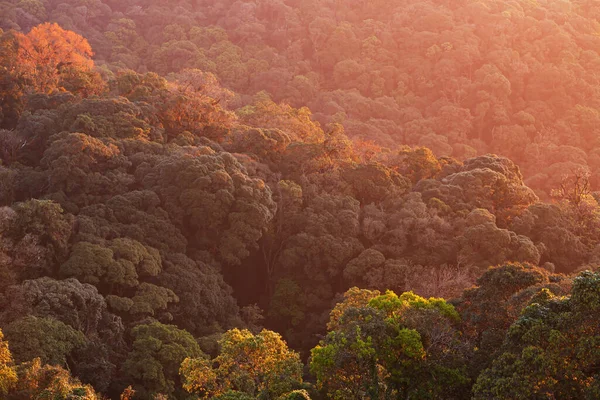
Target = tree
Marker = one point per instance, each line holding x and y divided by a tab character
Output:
574	187
212	199
38	380
43	337
417	164
150	298
157	352
206	304
78	305
8	376
94	264
51	58
484	244
119	264
390	347
167	196
259	365
489	308
78	167
192	102
373	183
266	144
10	145
12	82
295	123
371	270
494	183
137	215
40	231
552	349
300	394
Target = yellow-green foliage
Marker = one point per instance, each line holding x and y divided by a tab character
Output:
380	346
394	305
258	365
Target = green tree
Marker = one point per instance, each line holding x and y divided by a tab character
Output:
391	347
42	337
78	167
78	305
157	353
489	308
41	224
552	350
213	200
94	264
119	264
206	304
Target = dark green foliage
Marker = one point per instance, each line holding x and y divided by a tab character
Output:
212	200
489	308
231	395
158	350
77	305
205	303
94	264
552	349
42	337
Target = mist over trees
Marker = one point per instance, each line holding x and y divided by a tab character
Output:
299	200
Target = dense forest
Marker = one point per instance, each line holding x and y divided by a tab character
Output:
295	200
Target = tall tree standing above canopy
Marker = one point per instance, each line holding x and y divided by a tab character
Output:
45	60
51	58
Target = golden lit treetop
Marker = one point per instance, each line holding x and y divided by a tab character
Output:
258	365
48	54
8	376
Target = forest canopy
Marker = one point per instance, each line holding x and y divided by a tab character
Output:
274	199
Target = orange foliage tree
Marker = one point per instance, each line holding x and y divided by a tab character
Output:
51	58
